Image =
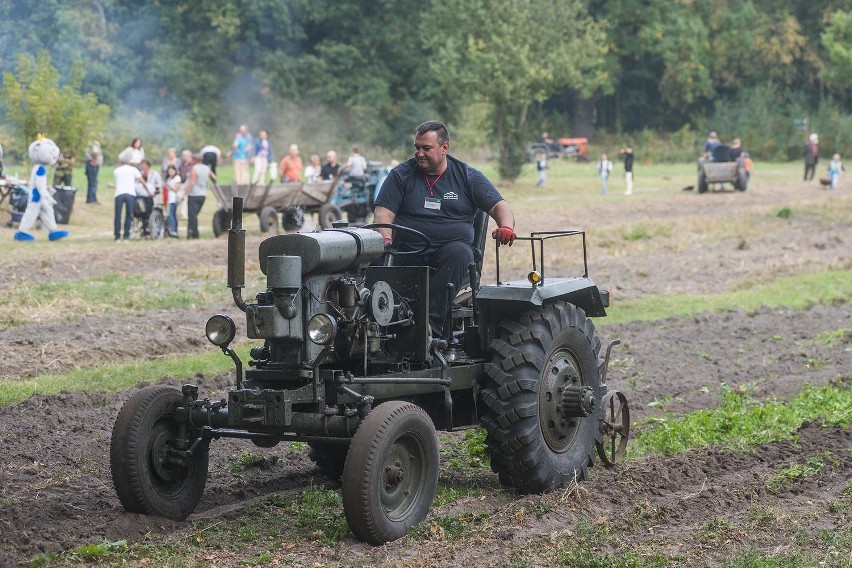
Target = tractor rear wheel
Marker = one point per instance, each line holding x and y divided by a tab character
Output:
542	398
391	472
150	474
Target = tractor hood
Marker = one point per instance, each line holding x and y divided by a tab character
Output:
329	251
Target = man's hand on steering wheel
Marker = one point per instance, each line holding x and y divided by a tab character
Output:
504	235
425	242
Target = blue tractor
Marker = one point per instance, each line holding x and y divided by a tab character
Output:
356	195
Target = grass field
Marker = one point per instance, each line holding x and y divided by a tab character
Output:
736	357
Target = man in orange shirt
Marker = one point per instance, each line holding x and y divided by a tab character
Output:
290	168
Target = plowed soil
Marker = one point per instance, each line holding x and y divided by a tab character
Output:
55	486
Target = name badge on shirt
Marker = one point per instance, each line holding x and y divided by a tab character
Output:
432	203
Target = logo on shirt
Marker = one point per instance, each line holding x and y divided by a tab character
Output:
451	195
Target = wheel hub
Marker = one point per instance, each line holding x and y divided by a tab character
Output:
577	401
160	461
394	475
559	423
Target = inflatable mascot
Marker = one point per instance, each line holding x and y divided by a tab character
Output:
43	152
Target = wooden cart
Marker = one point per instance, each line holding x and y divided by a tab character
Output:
291	200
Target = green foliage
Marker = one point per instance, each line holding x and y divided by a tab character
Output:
37	104
120	376
683	145
475	439
591	546
798	472
796	292
835	338
84	553
758	559
741	422
837	40
492	55
213	48
448	528
316	513
469	452
636	233
98	551
245	461
117	293
186	73
784	213
833	122
763	117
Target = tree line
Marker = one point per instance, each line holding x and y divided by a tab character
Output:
371	70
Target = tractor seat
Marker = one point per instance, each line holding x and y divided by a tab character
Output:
480	229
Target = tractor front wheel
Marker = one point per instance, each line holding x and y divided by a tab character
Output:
542	398
150	472
391	472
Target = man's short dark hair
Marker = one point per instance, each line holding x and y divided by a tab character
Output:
437	127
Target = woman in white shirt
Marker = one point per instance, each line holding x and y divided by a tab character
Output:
133	154
312	170
175	196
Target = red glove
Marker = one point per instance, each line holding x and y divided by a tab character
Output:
504	235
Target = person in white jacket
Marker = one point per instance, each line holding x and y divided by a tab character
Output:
604	169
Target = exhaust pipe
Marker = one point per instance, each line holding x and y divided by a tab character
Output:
237	254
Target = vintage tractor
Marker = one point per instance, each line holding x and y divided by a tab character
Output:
348	365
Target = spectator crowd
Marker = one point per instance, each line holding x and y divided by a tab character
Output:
181	179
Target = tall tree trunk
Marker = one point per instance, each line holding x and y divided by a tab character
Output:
584	116
509	126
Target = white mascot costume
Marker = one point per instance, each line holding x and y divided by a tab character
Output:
43	152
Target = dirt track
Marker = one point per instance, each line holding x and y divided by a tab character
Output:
57	491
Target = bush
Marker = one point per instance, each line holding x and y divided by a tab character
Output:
650	146
834	126
766	118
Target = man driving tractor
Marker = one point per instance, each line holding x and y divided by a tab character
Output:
439	196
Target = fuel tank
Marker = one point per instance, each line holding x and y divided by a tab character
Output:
326	252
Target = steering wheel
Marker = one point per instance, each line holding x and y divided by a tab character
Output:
427	244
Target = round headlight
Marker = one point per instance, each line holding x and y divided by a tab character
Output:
322	328
534	277
220	330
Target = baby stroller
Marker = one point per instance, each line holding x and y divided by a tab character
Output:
17	194
156	221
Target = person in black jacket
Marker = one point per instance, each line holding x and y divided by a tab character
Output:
811	154
440	195
627	153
